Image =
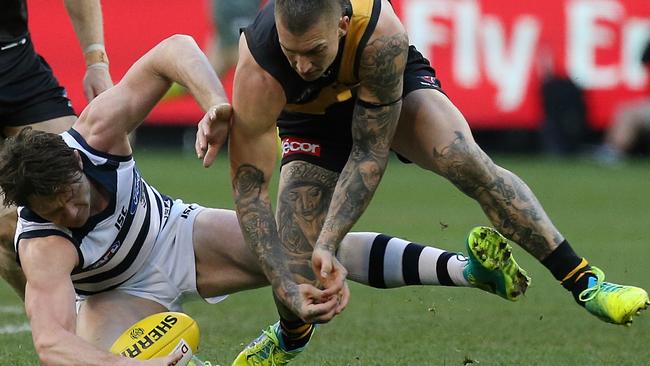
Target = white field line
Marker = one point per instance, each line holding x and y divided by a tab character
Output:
12	310
13	329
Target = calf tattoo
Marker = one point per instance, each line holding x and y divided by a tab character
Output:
507	201
304	198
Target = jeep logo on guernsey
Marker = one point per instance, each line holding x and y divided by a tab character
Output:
293	145
149	338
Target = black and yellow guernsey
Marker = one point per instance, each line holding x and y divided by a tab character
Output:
337	83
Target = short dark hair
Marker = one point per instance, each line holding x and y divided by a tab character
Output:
35	163
300	15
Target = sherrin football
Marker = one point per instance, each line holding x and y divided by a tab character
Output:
159	335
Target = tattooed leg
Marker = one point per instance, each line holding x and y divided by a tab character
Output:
433	134
303	199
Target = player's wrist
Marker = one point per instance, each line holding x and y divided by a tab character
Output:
96	57
327	247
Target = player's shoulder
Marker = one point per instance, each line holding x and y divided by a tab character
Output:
388	23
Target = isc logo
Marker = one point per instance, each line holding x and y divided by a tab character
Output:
292	145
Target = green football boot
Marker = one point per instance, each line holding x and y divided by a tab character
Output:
491	267
267	350
611	302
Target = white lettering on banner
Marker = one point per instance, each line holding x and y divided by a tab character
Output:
585	36
636	34
466	60
467	46
484	51
509	70
426	33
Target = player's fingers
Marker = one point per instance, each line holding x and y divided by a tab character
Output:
210	155
312	293
344	297
325	268
335	280
331	290
200	145
322	312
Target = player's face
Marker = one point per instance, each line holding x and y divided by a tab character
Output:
313	52
69	208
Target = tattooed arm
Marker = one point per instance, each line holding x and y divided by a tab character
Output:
257	100
373	124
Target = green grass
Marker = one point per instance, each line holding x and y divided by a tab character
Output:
604	212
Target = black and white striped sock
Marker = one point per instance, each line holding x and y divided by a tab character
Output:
383	261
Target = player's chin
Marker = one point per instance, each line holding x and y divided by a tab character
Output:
311	76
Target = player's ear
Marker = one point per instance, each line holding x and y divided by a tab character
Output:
79	161
344	24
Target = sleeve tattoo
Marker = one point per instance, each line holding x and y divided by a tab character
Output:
373	126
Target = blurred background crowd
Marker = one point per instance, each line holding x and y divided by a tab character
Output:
561	77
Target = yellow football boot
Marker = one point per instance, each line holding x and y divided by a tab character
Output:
266	350
611	302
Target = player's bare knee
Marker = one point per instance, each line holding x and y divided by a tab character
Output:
8	219
467	167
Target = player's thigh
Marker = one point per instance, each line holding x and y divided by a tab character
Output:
224	262
105	316
55	125
9	269
8	220
433	133
304	196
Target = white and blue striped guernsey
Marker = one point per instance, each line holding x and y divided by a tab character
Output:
114	244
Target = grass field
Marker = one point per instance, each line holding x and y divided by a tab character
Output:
604	212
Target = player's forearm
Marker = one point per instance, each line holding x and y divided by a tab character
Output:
260	230
61	347
372	132
185	63
86	17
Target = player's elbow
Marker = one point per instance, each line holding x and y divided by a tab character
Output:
179	46
46	346
180	41
45	349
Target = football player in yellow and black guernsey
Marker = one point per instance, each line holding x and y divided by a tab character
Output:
341	82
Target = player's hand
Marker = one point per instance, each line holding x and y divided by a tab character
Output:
212	132
96	81
311	304
332	275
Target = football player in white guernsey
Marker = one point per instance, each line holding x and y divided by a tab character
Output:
91	229
95	227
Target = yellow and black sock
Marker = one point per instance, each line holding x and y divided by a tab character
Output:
295	333
571	270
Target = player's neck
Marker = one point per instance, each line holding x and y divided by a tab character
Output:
98	198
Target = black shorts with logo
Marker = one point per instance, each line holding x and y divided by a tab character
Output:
29	92
326	140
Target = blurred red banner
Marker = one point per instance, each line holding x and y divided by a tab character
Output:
490	55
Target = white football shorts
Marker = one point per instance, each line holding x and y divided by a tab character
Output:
168	277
